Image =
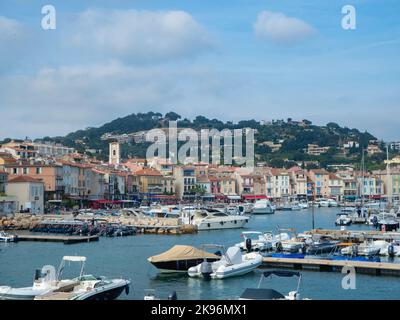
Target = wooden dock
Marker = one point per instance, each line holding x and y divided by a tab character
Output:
57	238
374	268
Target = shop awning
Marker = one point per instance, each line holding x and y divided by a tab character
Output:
254	197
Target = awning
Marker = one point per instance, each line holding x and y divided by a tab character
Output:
253	197
235	197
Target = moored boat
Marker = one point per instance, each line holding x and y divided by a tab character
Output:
180	258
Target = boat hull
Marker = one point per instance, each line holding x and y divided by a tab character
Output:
178	265
225	224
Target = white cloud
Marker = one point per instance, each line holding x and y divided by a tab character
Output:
280	28
141	35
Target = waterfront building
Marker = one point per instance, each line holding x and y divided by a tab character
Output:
50	174
185	181
298	182
149	181
279	184
29	193
335	187
320	178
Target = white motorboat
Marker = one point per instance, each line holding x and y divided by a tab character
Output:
343	219
255	241
367	248
391	250
210	220
6	237
263	206
232	263
332	203
49	285
303	205
271	294
89	287
45	281
287	243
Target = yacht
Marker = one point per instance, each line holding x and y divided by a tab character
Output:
211	220
271	294
263	206
232	263
6	237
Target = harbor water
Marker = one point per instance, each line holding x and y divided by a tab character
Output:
127	257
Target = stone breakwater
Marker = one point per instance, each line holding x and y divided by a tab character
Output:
142	224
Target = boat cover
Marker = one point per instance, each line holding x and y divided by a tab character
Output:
261	294
234	255
180	252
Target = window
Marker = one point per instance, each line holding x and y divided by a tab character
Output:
15	170
38	170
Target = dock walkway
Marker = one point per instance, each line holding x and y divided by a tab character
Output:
375	268
56	238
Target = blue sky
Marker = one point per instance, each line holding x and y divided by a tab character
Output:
232	60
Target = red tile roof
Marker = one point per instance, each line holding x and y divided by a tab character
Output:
24	179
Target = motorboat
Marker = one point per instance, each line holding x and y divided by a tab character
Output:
388	222
284	242
263	206
46	282
207	220
271	294
332	203
89	287
255	241
180	258
303	205
343	219
367	248
322	245
232	263
391	250
6	237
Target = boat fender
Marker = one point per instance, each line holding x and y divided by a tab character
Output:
391	250
248	244
127	289
222	223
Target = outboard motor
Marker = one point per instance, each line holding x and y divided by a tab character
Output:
391	250
248	245
304	249
206	270
173	296
354	250
375	221
38	274
279	247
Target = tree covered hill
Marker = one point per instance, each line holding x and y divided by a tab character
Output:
293	137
